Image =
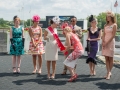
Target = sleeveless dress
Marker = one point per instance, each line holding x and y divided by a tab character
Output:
51	49
17	40
93	46
71	60
109	49
39	49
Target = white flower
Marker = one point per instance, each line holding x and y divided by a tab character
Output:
56	20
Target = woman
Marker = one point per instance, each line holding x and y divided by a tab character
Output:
108	42
71	60
36	45
94	34
17	44
51	51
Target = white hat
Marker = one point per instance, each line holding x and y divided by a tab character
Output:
56	20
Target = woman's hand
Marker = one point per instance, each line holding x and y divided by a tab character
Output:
89	39
64	51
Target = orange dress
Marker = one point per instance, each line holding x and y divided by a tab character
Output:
109	49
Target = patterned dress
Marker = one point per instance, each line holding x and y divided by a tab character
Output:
93	46
17	41
39	49
71	60
109	49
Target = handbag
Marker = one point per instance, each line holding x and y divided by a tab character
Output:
88	47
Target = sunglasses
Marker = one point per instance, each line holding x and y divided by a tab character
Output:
72	21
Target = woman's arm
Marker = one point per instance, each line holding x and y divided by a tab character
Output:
68	42
45	35
113	34
10	33
22	32
31	36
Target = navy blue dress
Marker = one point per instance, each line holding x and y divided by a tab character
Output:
93	46
17	40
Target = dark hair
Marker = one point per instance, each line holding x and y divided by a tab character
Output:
51	21
91	18
15	17
74	17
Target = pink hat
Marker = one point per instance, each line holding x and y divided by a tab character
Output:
36	18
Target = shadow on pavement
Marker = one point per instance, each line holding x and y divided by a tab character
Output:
11	74
103	85
42	79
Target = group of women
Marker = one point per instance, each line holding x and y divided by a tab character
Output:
72	49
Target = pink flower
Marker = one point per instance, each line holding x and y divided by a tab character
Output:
36	18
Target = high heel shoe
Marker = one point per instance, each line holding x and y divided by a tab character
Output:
108	77
53	76
94	73
18	70
48	76
39	71
35	71
73	78
64	72
14	70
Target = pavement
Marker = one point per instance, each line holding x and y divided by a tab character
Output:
28	81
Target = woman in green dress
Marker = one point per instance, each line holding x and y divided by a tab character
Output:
17	44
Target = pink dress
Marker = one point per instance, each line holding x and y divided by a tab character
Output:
39	49
109	49
71	60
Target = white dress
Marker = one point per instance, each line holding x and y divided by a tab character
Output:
51	49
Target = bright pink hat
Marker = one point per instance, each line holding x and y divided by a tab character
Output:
36	18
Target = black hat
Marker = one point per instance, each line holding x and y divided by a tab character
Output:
91	18
15	17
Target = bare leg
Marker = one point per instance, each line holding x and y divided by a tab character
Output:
48	68
64	70
53	68
40	63
18	63
34	64
90	65
93	69
111	63
14	63
71	70
107	66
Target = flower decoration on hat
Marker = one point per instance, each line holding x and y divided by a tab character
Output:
56	20
36	18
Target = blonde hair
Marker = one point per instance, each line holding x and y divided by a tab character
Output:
112	15
68	29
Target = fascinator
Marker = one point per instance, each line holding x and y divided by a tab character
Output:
91	18
56	20
15	17
36	18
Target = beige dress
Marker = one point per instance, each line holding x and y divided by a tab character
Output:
109	49
51	49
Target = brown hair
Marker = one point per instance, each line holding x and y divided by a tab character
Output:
111	14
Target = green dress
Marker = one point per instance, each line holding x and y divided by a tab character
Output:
17	40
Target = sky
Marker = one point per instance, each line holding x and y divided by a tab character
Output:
25	9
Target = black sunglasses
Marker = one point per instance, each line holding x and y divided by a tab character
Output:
72	21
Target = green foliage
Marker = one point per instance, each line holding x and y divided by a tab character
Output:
102	20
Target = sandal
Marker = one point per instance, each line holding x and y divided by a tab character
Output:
73	78
18	70
14	70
